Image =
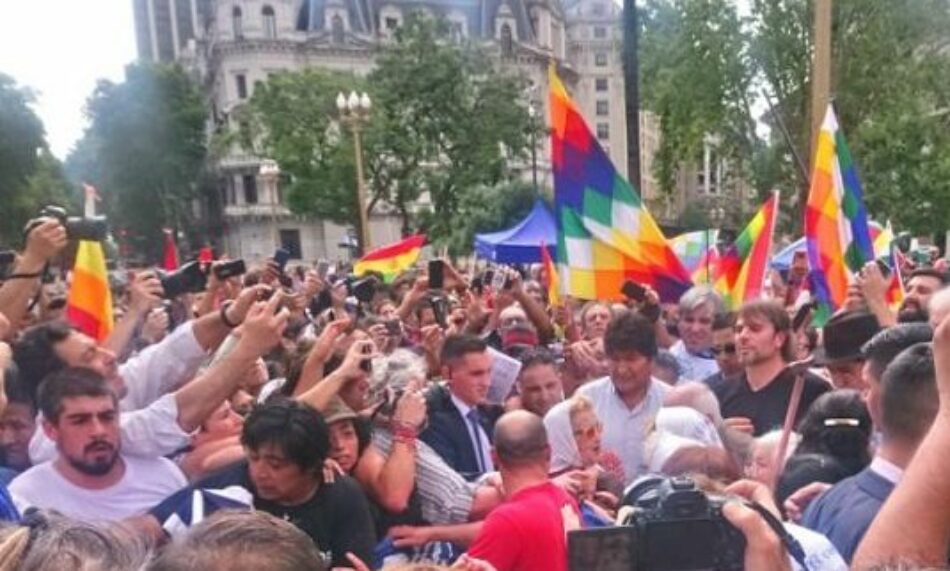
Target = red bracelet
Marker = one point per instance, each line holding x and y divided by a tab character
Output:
404	435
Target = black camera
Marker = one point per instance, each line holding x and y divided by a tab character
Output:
674	526
187	279
364	290
230	269
77	228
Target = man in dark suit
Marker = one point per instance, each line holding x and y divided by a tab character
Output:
460	423
903	403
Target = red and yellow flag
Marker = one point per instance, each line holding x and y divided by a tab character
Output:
552	280
89	303
393	259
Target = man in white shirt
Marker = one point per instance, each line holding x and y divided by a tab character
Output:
90	479
628	400
697	309
160	402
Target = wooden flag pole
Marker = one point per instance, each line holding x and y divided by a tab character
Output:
798	369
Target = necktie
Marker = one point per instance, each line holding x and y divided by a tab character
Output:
473	418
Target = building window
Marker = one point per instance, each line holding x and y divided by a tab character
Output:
603	108
597	9
392	24
336	27
270	22
241	81
507	42
237	24
600	59
601	84
600	32
290	241
250	188
603	131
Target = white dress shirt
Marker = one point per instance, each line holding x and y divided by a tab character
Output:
149	418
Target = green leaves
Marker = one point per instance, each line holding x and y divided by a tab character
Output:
145	151
445	125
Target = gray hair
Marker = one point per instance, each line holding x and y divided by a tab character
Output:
49	540
395	371
237	540
698	296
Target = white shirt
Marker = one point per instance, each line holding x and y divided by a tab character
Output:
695	368
149	419
624	428
146	483
887	470
820	554
475	433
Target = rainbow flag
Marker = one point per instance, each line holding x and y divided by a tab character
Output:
697	251
885	249
551	279
605	235
836	223
393	259
89	302
744	265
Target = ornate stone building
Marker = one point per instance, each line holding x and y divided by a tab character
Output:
234	45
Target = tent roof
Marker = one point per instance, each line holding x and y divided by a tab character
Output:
521	244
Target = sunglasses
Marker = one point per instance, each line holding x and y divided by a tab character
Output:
590	432
728	348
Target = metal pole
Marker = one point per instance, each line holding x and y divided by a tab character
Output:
802	169
360	196
631	73
534	160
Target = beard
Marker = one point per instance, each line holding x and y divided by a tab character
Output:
98	466
912	313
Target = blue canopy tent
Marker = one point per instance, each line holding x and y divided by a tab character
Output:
521	244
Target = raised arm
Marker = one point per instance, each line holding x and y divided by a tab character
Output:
42	244
145	292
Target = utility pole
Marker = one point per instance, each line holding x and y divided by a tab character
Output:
820	74
631	79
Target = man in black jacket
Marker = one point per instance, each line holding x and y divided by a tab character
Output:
460	423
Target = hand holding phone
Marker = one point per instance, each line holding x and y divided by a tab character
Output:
633	291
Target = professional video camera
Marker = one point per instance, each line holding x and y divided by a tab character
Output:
77	228
674	526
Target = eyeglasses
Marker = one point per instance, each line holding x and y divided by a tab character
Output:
728	348
591	431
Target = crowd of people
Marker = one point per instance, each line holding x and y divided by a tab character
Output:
299	418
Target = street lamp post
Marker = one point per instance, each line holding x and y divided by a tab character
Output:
716	216
354	112
533	113
270	175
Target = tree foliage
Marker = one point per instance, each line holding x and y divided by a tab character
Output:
445	123
703	67
145	151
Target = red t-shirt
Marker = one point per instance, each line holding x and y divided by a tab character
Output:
529	531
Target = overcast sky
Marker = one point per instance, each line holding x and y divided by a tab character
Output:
60	48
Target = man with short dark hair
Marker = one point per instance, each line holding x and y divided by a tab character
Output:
286	443
539	382
17	424
90	479
758	399
921	285
528	531
629	398
906	407
724	351
460	422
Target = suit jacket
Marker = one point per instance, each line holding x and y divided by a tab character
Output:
845	512
448	432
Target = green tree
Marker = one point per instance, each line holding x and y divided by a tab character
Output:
22	148
891	83
697	77
453	121
145	151
444	122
